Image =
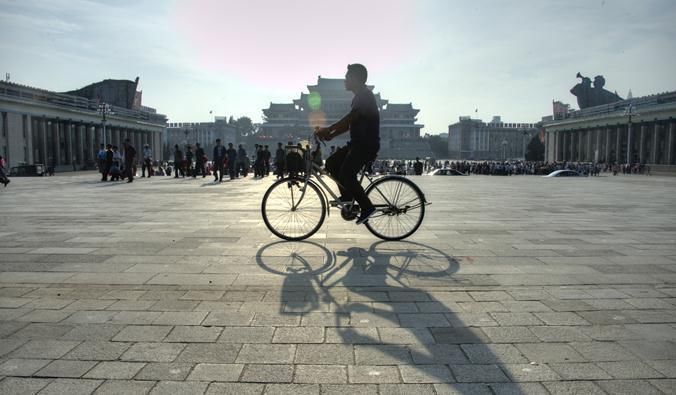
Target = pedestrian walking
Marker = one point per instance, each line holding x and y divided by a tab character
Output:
129	158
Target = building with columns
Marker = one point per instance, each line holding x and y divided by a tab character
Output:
65	130
205	133
327	102
473	139
637	130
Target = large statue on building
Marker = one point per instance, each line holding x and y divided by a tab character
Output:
588	96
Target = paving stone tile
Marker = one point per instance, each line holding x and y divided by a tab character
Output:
653	331
299	335
235	389
628	387
356	389
353	335
42	331
45	316
608	332
267	373
667	368
549	352
97	350
301	389
478	374
181	318
142	333
510	334
174	305
324	354
229	318
153	352
115	370
131	305
135	317
216	372
529	372
579	371
179	388
90	317
561	318
209	353
567	305
22	367
516	319
437	354
603	351
164	371
403	389
16	385
365	374
519	389
573	387
423	320
245	334
493	353
629	370
63	368
461	320
651	350
93	332
426	374
373	320
459	335
9	327
48	349
115	387
321	374
559	334
405	336
71	387
266	353
194	334
668	386
325	319
9	345
462	388
382	355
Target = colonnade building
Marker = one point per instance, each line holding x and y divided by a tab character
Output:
326	103
64	130
204	133
638	130
473	139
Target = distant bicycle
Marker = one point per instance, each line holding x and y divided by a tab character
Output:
294	208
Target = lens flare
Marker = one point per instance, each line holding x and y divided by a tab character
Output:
314	101
316	119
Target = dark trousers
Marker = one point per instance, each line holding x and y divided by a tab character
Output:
105	171
147	166
218	169
199	166
129	169
344	165
232	168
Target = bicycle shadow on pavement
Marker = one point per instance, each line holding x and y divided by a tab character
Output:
393	304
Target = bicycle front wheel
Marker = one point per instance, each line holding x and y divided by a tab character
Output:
293	209
400	208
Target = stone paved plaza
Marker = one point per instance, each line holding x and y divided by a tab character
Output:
512	285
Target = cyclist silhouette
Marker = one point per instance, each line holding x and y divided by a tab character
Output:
363	122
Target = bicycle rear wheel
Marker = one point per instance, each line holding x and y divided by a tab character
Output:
400	208
293	209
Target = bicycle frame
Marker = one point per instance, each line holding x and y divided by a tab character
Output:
311	168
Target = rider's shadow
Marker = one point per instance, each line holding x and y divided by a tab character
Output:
424	331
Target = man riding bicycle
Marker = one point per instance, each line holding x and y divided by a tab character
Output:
363	122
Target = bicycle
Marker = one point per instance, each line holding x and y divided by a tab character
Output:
295	207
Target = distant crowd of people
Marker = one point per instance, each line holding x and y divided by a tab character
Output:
509	168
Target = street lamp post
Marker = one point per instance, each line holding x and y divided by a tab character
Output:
629	112
104	109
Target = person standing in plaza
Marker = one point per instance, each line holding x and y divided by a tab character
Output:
3	173
147	161
280	155
363	123
219	161
188	160
199	161
232	161
101	158
107	162
129	157
178	161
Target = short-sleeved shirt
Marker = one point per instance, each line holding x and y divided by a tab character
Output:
365	126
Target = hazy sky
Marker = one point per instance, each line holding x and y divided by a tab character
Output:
448	58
